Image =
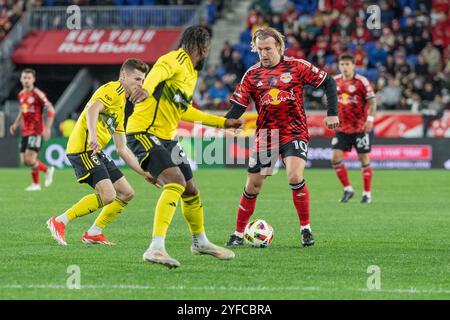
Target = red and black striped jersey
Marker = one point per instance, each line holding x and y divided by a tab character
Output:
278	96
352	102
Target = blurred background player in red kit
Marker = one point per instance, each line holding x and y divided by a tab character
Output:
357	106
33	102
275	85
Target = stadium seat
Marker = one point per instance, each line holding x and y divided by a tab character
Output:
119	2
412	60
246	37
351	47
242	48
49	3
149	2
250	59
330	59
221	71
369	46
306	6
372	74
134	2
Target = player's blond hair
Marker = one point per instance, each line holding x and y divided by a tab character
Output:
266	32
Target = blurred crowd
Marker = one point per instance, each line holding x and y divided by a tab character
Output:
12	10
406	57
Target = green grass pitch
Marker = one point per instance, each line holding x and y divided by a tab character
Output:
404	232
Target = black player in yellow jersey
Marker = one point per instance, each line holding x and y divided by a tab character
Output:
164	100
101	120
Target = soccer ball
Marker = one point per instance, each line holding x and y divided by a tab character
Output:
258	233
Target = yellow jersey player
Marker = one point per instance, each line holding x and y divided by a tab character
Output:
101	120
164	100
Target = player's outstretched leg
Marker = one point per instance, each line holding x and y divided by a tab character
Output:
109	213
31	161
57	224
367	181
246	208
165	209
193	213
300	197
342	174
49	176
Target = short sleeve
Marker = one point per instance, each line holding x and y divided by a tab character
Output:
107	95
243	92
310	74
41	96
368	89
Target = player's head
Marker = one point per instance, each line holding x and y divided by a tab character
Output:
269	44
196	41
347	64
132	74
27	78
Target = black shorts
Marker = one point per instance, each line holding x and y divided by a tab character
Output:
345	142
155	154
91	168
31	143
266	160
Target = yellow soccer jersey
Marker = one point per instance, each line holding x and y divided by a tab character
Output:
170	84
110	120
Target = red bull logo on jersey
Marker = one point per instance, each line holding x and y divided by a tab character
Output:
275	97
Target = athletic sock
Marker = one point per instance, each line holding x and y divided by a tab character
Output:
245	211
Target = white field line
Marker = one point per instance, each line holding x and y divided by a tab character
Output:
222	288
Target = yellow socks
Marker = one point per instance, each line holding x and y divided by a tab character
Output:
87	205
165	208
193	213
109	213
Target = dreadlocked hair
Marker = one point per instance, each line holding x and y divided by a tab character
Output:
194	39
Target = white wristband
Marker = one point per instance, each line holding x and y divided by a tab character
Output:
370	118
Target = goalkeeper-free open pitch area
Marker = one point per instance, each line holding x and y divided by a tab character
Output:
399	243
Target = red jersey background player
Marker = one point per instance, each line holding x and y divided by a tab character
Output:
275	84
33	102
357	106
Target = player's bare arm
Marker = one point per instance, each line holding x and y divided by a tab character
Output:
195	115
16	124
331	121
233	123
92	116
368	125
49	122
130	159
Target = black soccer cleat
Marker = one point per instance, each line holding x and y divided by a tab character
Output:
347	196
307	238
235	241
366	199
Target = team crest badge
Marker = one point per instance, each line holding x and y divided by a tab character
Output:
30	100
351	88
286	77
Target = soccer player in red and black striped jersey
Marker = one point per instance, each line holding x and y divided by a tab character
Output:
33	102
275	85
356	108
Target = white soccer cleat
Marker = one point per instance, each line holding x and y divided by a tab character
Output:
160	257
212	249
33	187
49	176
